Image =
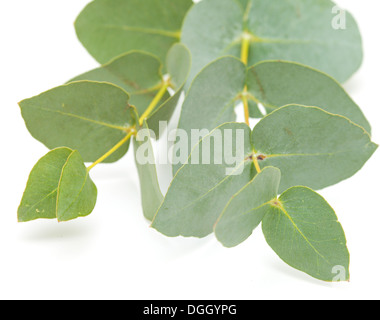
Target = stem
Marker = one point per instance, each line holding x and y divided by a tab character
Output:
113	150
246	106
246	42
132	132
155	102
256	163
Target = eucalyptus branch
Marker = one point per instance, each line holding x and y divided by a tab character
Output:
313	136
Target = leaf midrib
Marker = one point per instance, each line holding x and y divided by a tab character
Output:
101	123
306	154
283	210
32	207
59	186
53	191
160	32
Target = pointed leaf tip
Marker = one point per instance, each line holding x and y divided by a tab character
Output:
58	188
247	208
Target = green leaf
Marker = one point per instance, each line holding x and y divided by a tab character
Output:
244	3
90	117
275	84
200	191
109	28
247	208
216	91
292	30
310	146
138	73
209	29
304	232
213	94
212	97
144	156
59	187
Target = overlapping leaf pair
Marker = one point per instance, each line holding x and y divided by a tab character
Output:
311	135
96	117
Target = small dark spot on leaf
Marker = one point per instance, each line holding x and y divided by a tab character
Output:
288	131
249	157
261	157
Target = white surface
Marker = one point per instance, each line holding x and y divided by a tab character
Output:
113	254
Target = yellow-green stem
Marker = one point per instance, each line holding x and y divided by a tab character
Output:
145	115
246	106
256	163
113	150
155	102
246	42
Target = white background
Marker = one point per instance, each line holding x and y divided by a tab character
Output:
113	254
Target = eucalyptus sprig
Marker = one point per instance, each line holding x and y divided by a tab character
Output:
273	57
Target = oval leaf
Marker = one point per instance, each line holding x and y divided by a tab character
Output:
109	28
59	187
247	208
276	84
303	230
202	187
311	147
292	30
90	117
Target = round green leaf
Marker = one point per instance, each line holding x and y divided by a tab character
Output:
59	187
211	99
109	28
304	231
311	147
276	84
293	30
90	117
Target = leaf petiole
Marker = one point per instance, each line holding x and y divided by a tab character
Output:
246	41
113	150
155	101
246	106
256	163
166	84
